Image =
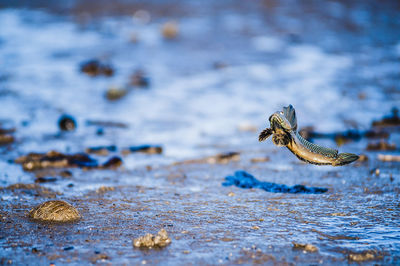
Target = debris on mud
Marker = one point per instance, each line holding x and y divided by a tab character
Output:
100	123
381	146
6	136
45	179
222	158
305	247
54	159
243	179
55	211
260	159
99	257
113	162
150	241
113	93
32	190
343	137
149	149
66	123
388	121
95	68
101	150
388	158
139	79
364	256
104	189
170	30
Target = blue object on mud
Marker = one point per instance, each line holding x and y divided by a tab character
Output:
243	179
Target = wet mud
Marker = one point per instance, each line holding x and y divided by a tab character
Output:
143	118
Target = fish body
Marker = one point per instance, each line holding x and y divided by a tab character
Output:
284	134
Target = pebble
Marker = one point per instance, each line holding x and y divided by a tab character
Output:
55	211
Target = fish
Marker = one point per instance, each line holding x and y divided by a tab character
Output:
283	129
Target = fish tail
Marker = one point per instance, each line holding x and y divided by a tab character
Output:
345	158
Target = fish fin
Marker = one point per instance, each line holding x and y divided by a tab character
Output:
265	134
290	115
345	158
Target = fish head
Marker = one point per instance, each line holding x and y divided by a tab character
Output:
279	121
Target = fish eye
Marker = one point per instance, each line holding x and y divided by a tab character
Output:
281	112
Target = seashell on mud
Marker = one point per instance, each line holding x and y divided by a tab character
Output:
55	211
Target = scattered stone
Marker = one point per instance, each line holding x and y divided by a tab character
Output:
381	146
305	247
31	189
113	94
101	150
170	30
139	79
45	179
6	139
99	257
388	158
343	137
224	158
66	123
361	256
55	211
114	162
106	124
54	159
149	149
6	136
388	121
104	189
95	68
150	241
260	160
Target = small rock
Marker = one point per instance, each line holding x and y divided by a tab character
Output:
95	67
45	179
55	211
381	146
139	79
388	158
113	94
170	30
259	159
361	256
306	247
66	123
150	241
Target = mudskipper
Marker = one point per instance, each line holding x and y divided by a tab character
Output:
284	134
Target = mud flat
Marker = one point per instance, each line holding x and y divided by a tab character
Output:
136	126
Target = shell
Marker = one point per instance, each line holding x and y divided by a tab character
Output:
55	211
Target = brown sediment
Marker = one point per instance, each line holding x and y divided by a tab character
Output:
221	158
305	247
381	146
388	158
54	159
95	67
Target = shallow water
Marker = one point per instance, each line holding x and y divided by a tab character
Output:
337	64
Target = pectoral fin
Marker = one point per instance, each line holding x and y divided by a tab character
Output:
265	134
